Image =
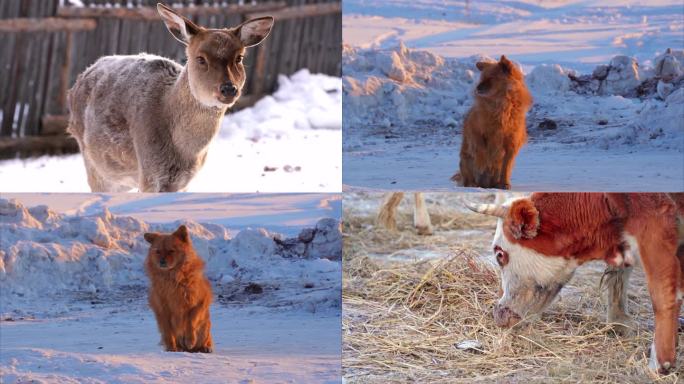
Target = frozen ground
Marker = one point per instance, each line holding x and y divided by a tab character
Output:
608	121
73	300
288	142
107	345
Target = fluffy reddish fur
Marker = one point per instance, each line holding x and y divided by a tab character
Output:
590	226
494	128
180	294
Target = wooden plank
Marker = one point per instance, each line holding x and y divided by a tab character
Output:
9	107
36	97
55	70
150	13
64	76
55	124
300	11
36	146
46	24
45	73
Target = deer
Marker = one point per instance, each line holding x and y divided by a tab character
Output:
146	122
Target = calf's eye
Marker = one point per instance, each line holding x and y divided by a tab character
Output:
201	60
501	256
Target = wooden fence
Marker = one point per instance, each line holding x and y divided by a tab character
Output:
45	44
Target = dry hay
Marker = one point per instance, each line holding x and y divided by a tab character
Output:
402	320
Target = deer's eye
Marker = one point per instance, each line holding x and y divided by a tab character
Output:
239	59
201	60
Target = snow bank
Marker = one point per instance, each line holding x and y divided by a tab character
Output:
46	253
549	78
303	101
401	91
403	87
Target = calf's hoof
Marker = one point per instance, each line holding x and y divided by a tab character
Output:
424	230
663	369
622	326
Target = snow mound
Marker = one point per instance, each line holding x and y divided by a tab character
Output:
659	121
303	101
403	87
404	92
46	253
549	78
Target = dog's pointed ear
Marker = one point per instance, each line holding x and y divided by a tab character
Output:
481	65
180	27
523	219
182	233
253	32
150	237
506	64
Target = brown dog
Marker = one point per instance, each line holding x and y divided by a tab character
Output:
179	293
494	129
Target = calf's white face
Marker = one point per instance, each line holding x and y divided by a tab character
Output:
529	280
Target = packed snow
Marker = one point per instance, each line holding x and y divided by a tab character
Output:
576	33
73	300
614	123
289	141
287	213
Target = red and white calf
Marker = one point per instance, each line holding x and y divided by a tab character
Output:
540	240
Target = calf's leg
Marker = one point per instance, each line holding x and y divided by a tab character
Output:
616	280
387	216
421	218
657	247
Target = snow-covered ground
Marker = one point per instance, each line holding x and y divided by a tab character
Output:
73	300
608	108
576	33
288	142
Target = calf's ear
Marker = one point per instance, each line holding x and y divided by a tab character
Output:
150	237
523	219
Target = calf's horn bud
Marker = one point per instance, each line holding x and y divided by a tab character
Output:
487	209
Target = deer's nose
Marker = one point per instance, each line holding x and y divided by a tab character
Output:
228	89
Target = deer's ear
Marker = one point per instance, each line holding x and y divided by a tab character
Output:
253	32
180	27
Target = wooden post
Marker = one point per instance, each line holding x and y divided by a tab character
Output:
46	24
